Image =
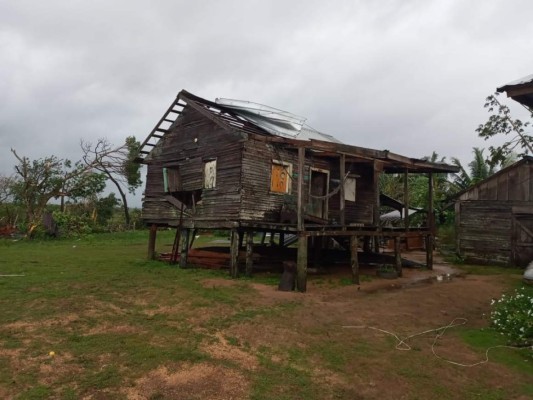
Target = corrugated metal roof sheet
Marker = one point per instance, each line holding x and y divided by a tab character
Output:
521	81
274	121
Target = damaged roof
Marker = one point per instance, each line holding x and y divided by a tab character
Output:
276	122
274	125
520	90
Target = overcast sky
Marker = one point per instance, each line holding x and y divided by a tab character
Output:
407	76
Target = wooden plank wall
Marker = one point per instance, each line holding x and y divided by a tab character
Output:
484	216
191	141
514	184
360	211
243	176
484	231
258	202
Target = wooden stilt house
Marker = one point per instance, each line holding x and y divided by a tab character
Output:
251	168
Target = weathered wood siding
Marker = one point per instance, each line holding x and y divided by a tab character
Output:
490	218
484	232
359	211
259	203
511	184
191	142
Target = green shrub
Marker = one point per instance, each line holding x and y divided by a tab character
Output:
512	316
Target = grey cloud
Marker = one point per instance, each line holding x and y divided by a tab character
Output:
409	76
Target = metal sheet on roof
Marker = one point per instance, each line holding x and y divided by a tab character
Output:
274	121
521	81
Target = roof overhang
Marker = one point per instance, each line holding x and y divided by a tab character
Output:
520	90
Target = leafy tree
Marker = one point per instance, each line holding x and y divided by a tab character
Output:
478	169
86	186
105	207
118	165
6	189
501	122
36	182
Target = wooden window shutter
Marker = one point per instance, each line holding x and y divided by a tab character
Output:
280	180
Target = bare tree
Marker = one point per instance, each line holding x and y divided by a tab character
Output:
117	164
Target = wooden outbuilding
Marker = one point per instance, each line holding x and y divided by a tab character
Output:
248	168
494	219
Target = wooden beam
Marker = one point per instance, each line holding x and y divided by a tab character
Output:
234	254
342	173
300	200
431	216
431	224
397	256
151	242
429	251
354	261
378	167
185	234
301	263
519	91
249	252
406	199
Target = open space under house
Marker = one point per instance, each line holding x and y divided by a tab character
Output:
249	168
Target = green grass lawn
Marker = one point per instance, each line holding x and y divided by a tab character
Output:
111	317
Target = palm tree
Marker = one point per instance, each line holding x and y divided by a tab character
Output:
479	169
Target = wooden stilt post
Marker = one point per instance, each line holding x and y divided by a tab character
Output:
282	239
249	252
429	251
234	254
301	263
342	173
175	247
406	205
397	256
241	239
378	168
431	224
193	238
354	241
185	233
151	242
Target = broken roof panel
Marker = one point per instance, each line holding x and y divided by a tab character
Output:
274	121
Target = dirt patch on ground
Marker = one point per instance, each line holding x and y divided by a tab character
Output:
345	338
374	312
219	348
190	381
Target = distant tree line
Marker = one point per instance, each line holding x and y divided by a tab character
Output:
77	187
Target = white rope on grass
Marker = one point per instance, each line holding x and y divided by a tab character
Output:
402	343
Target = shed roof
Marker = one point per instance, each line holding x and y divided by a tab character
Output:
520	90
273	125
524	160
